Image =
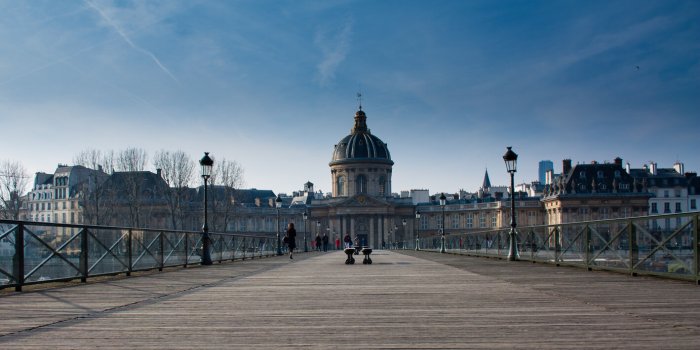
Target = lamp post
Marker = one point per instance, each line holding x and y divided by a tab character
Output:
278	205
443	201
306	217
417	228
511	159
403	235
396	238
206	162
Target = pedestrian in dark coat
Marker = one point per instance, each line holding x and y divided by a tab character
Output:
325	242
291	239
318	243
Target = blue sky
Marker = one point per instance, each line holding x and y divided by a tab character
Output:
272	84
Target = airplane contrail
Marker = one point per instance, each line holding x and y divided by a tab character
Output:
128	41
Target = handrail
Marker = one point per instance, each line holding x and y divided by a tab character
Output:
663	245
39	252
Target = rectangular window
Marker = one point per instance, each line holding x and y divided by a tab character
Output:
423	222
455	221
667	208
666	193
494	220
64	205
692	204
654	209
482	220
678	207
470	220
48	206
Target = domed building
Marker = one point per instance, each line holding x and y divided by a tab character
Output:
362	203
361	163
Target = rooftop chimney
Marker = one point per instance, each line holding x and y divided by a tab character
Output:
159	172
678	166
566	167
618	162
652	168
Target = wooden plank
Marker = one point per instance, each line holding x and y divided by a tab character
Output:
413	300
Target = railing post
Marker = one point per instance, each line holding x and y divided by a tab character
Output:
129	253
633	247
161	247
696	246
18	259
84	255
187	250
221	248
587	245
557	245
243	249
532	245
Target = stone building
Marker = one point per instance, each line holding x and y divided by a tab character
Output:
361	202
594	191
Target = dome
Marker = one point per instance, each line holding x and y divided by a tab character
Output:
361	146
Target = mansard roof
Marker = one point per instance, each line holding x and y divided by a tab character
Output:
596	179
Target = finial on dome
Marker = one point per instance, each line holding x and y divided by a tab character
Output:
359	100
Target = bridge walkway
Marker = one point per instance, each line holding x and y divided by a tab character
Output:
403	300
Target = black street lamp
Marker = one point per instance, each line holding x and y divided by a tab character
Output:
443	201
417	228
403	235
306	217
206	162
511	160
278	205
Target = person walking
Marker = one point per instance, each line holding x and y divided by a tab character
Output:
318	242
337	242
347	240
291	239
325	242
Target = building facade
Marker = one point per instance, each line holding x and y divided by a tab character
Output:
594	191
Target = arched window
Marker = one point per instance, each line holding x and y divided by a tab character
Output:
361	184
382	186
340	185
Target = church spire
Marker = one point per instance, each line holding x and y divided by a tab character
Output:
487	183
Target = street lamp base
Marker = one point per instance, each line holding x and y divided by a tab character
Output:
513	254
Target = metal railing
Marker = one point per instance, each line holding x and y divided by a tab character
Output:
34	252
660	245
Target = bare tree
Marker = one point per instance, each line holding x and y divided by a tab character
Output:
93	198
13	184
132	161
177	169
226	178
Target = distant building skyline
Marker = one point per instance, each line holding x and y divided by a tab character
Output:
544	166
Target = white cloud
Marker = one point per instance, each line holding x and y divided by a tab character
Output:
118	28
334	49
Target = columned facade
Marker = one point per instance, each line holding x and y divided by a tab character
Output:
362	204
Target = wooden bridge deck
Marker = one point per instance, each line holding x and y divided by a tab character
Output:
404	300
